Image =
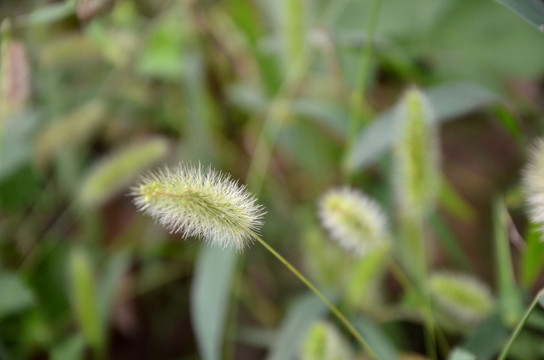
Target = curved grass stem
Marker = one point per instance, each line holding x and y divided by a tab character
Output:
360	108
319	294
520	326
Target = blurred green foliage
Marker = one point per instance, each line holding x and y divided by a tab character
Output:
260	89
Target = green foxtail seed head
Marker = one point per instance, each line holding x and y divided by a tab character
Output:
463	299
200	202
324	342
353	219
533	184
416	154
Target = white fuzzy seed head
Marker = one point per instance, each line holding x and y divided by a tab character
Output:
199	202
533	184
353	219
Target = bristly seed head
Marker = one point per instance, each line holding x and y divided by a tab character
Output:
533	184
200	202
353	219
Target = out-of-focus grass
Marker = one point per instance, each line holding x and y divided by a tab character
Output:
264	90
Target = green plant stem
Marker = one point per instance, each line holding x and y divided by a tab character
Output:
415	259
520	326
312	287
359	105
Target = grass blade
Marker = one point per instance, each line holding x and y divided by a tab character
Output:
210	295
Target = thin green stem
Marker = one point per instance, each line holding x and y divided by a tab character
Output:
415	259
320	295
359	105
520	326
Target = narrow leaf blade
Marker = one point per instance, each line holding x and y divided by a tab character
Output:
531	11
214	270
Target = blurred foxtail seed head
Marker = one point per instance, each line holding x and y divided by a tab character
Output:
417	155
463	299
354	220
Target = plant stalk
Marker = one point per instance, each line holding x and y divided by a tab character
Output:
520	326
320	295
359	105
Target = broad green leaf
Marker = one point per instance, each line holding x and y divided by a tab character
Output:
378	341
532	260
510	301
488	339
461	354
84	299
449	101
530	10
541	298
210	295
15	295
303	313
483	30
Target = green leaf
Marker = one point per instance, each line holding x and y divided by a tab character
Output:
48	14
378	341
461	354
488	339
532	260
510	301
84	299
448	101
530	10
70	349
210	293
541	298
16	142
115	269
15	295
303	313
453	201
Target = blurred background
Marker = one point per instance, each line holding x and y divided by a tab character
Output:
94	92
